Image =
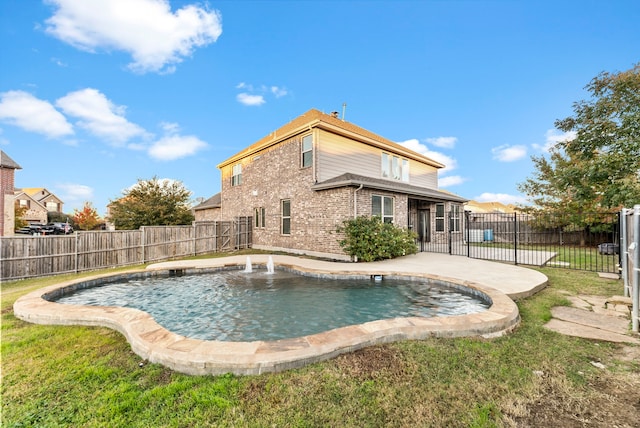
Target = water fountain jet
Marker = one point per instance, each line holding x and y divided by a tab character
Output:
248	268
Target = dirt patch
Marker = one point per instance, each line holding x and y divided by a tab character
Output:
610	399
372	362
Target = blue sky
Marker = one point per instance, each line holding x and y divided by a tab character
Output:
96	94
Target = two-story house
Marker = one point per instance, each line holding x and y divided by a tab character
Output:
300	183
38	201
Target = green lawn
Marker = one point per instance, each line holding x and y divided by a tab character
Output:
88	377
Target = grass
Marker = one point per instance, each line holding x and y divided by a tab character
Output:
88	377
575	257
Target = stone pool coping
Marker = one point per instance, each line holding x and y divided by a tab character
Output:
156	344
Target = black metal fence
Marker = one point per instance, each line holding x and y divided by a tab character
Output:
586	241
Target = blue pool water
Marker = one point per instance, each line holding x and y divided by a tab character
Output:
239	306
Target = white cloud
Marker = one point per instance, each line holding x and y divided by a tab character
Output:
154	36
278	92
444	142
507	153
415	145
170	127
452	180
250	100
172	147
500	197
100	116
70	192
25	111
553	137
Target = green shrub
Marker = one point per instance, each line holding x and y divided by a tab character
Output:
369	239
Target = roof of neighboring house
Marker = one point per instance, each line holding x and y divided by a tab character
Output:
316	119
490	207
7	162
19	192
213	202
39	193
391	186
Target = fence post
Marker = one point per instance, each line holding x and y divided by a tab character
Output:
466	227
142	242
636	268
76	261
448	226
515	238
624	252
193	233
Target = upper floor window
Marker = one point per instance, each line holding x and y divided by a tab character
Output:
394	167
307	151
25	203
236	174
382	206
52	206
285	226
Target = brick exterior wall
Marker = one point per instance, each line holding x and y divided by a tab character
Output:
274	175
7	185
208	214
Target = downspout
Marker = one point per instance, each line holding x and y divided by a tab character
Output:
355	201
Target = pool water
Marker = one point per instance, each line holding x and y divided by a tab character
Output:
242	307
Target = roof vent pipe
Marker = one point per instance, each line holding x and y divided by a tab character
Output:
344	108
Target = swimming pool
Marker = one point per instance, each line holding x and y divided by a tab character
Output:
154	343
238	306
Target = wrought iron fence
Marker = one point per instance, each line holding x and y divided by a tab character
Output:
586	241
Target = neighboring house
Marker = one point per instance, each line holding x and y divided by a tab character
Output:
39	202
208	210
301	182
7	185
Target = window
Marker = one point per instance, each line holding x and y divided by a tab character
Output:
454	219
386	166
286	217
439	217
25	203
394	167
405	170
236	175
382	206
52	206
259	214
307	150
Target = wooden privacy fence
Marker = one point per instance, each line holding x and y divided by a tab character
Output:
34	256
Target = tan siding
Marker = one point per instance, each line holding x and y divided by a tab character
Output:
423	175
337	155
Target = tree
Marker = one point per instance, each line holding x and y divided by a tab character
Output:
87	218
19	213
600	167
152	202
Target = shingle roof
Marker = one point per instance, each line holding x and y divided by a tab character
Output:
316	118
7	162
213	202
391	186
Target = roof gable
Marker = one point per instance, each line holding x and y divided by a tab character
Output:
316	119
20	195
